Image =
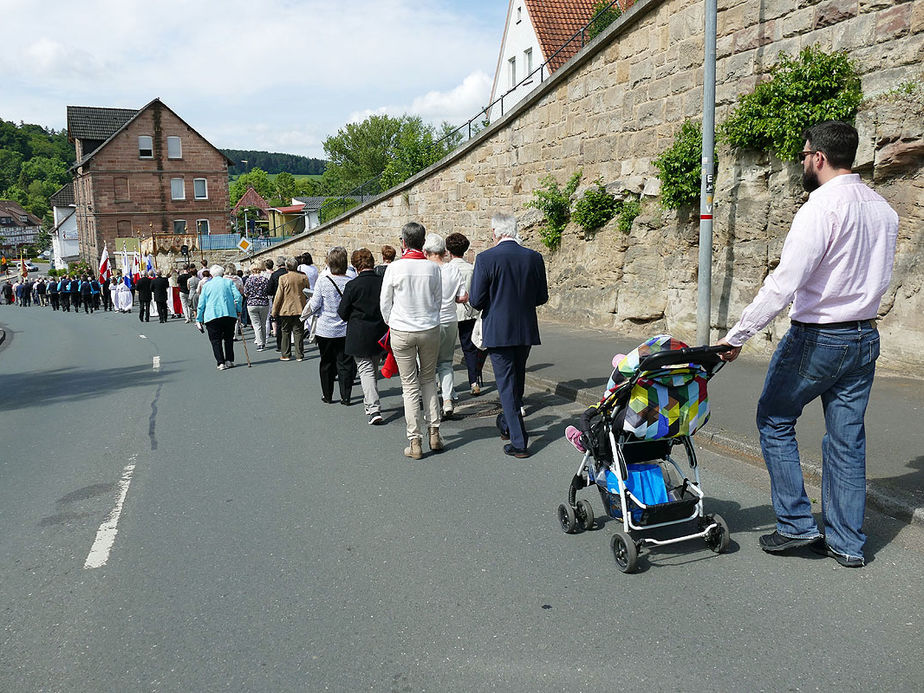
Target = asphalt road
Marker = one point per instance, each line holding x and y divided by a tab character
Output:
269	542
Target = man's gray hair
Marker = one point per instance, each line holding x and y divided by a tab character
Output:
504	225
435	244
281	261
217	271
413	235
291	264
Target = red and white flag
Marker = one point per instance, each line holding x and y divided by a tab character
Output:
22	267
105	272
136	269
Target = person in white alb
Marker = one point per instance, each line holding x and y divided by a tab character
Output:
835	266
412	294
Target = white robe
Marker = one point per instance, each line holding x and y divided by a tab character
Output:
122	297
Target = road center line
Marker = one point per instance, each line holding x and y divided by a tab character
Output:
106	534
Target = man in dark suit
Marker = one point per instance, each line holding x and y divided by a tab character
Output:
160	285
508	284
143	289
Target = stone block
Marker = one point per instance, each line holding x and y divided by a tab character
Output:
875	5
796	23
892	23
690	53
731	20
753	36
638	73
917	17
832	12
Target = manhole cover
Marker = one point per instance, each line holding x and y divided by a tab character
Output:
480	409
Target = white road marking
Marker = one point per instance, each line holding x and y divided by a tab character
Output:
106	534
142	336
156	362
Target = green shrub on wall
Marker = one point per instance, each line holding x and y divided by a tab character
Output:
555	203
631	207
680	168
595	207
802	91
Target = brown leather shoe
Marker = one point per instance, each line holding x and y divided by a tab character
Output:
436	442
415	449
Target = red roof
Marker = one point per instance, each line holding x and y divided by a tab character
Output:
556	21
251	198
291	209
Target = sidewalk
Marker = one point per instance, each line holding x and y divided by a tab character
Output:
576	362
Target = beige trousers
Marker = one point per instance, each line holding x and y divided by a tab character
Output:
411	348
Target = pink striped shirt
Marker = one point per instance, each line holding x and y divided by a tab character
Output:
836	262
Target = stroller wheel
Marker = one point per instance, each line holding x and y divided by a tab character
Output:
717	540
624	551
566	518
585	514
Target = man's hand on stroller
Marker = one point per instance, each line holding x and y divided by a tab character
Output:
731	354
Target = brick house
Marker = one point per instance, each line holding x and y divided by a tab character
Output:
18	228
143	174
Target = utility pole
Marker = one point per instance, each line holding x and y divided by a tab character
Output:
707	186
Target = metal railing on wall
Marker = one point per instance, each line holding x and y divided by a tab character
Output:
481	120
229	241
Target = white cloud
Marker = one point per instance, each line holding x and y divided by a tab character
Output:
299	66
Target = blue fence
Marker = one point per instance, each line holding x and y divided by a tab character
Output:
229	241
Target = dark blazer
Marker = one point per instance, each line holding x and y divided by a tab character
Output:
508	283
159	286
359	308
143	287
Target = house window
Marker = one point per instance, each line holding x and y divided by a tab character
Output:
512	63
174	148
179	226
200	188
519	15
125	228
528	59
120	189
145	147
202	227
177	189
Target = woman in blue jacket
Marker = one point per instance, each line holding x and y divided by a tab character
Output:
219	307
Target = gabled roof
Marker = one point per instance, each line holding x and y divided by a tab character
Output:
63	196
14	209
134	115
556	21
95	123
251	198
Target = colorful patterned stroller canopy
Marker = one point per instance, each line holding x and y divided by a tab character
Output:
667	402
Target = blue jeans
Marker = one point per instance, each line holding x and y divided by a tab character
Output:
837	365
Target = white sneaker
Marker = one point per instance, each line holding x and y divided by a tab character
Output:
222	367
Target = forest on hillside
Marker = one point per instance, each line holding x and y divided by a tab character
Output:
273	162
33	165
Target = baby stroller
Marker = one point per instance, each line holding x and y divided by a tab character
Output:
657	402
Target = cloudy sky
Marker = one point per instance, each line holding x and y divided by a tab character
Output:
276	75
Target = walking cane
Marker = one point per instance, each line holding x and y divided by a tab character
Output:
243	341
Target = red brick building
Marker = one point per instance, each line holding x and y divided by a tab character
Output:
141	173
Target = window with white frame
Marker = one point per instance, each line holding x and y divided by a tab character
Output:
145	147
174	148
200	188
202	227
179	226
528	59
177	189
512	66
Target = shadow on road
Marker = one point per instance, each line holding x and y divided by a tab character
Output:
38	388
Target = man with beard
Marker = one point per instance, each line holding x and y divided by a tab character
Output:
835	266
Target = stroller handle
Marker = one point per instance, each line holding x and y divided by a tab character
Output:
706	356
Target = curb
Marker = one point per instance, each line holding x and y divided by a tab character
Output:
884	499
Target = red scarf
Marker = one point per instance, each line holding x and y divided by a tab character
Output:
410	254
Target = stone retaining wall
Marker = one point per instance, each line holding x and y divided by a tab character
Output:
616	106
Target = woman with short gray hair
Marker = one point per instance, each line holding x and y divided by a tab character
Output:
219	306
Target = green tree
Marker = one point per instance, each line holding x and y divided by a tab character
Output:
605	13
257	178
419	146
361	151
10	165
285	188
